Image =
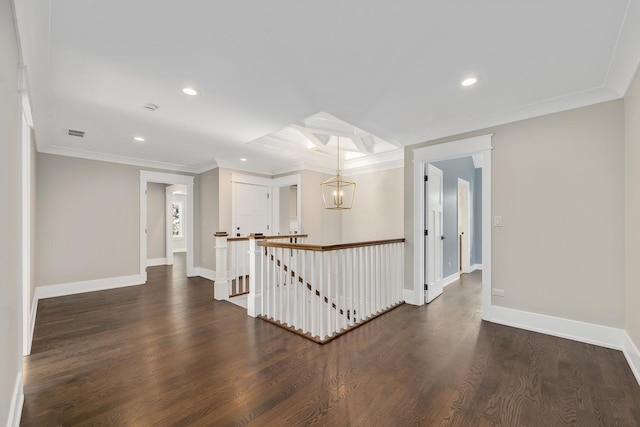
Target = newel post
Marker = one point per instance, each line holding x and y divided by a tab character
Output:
221	284
255	274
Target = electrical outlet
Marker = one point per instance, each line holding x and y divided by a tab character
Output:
497	292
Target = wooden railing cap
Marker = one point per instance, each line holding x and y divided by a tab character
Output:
323	248
221	234
258	236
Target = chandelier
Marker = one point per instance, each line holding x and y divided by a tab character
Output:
338	191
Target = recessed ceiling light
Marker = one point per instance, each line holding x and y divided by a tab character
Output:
243	159
138	138
189	91
469	82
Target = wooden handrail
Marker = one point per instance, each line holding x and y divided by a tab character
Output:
271	237
324	248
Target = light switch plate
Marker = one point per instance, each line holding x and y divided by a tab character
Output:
497	221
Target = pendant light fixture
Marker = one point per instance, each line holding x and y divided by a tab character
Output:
338	191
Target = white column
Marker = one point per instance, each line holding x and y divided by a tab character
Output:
254	300
221	284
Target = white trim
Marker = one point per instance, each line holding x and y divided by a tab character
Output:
626	56
179	250
17	401
285	181
450	279
32	322
63	289
206	273
421	156
632	354
25	215
152	262
374	163
589	333
475	267
165	178
251	179
112	158
168	223
408	296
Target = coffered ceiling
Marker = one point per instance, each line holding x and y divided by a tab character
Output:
277	81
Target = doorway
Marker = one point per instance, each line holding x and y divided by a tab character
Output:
478	147
251	209
147	177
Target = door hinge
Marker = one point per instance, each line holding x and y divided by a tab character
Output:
267	227
426	287
426	232
267	195
145	191
426	178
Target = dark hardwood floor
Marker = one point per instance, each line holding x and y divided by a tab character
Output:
167	354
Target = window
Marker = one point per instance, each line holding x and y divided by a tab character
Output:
177	220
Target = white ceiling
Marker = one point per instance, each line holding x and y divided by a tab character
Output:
267	69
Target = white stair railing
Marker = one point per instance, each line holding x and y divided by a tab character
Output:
234	253
323	291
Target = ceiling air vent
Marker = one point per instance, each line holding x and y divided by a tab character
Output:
79	133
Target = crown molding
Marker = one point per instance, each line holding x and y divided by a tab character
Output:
552	106
378	162
91	155
626	55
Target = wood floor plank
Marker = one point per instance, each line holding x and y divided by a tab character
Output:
166	353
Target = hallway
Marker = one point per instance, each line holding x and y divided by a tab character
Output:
167	353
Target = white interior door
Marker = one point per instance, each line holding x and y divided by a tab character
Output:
251	207
433	232
464	228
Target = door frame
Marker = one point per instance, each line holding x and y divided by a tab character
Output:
479	145
274	207
465	267
170	179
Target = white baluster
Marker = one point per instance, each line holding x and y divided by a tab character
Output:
314	283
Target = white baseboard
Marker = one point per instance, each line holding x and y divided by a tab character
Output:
179	250
632	355
206	273
152	262
64	289
475	267
17	400
450	279
589	333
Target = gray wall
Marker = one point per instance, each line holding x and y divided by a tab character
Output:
156	222
632	211
88	220
322	225
10	298
550	250
477	216
206	216
452	170
377	211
